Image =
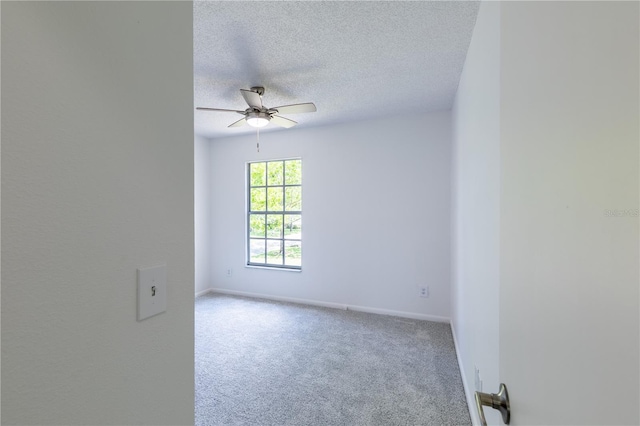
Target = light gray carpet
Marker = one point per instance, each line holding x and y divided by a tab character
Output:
260	362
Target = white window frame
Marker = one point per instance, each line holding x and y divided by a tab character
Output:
283	238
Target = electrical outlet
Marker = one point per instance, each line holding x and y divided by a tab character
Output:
229	272
424	291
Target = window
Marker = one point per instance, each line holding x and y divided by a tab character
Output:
274	214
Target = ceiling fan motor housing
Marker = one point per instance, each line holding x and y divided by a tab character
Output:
259	114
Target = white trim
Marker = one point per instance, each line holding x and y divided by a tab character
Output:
278	298
412	315
342	306
273	268
203	292
470	396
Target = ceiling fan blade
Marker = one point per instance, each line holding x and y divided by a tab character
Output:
219	109
295	108
238	123
252	98
282	122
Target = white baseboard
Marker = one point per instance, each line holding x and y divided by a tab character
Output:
203	292
412	315
469	393
278	298
343	306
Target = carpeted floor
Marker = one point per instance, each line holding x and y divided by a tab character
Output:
261	362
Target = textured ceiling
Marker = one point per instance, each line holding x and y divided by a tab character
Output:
354	60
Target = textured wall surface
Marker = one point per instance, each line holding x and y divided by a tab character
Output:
97	181
376	214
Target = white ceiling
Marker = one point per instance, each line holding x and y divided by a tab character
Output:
353	59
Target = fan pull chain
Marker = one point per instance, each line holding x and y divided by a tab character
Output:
258	138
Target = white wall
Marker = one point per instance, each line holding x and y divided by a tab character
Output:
476	209
569	315
202	213
563	150
376	221
97	180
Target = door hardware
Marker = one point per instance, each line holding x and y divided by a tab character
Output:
499	401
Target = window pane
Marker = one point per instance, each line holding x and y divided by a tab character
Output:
274	226
293	172
293	253
258	173
274	199
258	199
256	251
293	226
274	220
274	252
256	225
275	173
293	198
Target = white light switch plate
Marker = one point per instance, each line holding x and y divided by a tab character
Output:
152	291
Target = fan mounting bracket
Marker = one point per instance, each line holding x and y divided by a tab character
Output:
258	89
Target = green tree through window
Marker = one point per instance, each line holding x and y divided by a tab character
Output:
274	214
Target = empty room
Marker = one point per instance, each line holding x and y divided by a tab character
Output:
315	213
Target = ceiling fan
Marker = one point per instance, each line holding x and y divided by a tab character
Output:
257	115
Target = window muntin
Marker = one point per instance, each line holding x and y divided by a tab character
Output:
274	214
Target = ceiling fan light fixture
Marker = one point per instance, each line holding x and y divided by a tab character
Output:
258	119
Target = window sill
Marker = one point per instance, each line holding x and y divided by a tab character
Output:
272	268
